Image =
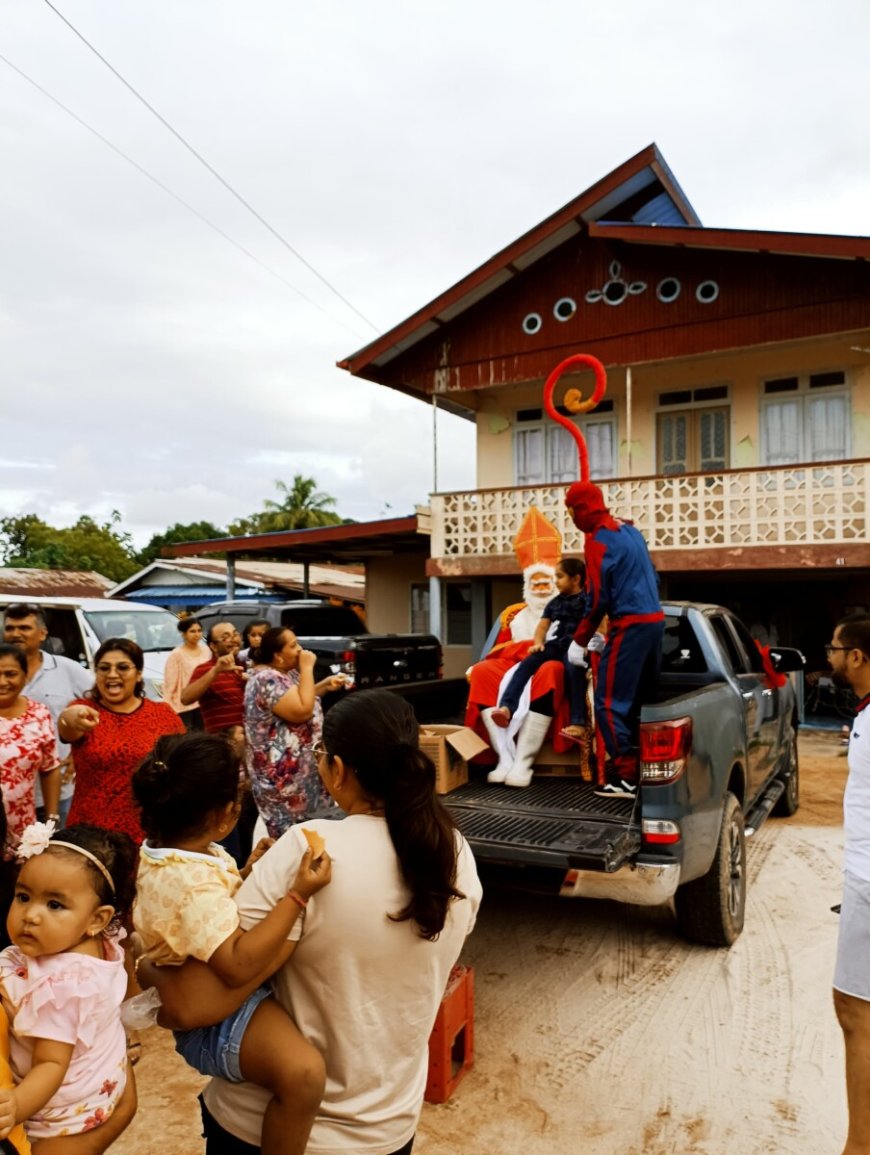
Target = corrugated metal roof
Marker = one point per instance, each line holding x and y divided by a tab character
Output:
197	595
167	582
61	583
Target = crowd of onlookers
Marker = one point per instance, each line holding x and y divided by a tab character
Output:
133	818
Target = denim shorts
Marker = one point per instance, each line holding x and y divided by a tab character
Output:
215	1050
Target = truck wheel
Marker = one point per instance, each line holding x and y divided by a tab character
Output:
789	801
711	909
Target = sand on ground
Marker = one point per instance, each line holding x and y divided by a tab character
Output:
598	1030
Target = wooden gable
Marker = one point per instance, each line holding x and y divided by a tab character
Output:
624	271
628	304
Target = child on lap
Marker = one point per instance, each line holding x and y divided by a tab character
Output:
553	635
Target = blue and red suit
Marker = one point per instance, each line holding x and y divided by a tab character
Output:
623	585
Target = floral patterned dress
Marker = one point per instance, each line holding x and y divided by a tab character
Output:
278	755
28	746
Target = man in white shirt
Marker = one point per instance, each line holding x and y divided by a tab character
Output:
849	658
51	679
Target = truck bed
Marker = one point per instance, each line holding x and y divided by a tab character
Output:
555	822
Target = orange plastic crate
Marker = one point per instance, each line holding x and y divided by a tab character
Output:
451	1044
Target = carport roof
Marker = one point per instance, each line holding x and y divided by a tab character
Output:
341	544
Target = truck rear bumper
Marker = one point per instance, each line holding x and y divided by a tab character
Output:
642	884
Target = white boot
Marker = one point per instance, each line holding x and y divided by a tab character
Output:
504	749
529	741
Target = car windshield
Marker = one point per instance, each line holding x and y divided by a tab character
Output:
151	630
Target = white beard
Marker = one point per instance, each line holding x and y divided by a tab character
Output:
524	624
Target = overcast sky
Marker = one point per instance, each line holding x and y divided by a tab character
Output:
150	366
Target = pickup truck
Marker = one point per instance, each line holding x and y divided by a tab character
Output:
718	754
410	664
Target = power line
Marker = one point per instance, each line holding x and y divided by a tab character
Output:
210	167
169	192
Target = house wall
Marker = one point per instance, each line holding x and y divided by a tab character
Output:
388	591
743	372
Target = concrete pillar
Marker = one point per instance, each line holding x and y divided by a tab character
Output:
231	577
436	626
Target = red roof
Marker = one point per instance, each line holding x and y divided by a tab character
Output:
640	181
639	202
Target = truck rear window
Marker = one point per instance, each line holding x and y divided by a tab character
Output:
322	621
681	653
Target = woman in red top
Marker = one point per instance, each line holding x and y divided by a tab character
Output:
111	731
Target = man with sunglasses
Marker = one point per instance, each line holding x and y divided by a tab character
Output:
848	655
51	679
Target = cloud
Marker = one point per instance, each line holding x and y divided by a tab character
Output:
150	366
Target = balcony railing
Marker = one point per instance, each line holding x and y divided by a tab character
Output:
823	503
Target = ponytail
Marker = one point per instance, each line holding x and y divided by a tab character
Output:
375	733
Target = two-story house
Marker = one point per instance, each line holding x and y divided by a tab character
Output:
736	426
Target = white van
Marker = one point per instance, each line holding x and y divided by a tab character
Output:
77	627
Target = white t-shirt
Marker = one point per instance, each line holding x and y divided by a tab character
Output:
363	989
856	800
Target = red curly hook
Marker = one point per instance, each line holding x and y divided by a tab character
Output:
574	402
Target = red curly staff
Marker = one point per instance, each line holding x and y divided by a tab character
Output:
574	402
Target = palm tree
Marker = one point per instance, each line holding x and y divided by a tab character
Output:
300	507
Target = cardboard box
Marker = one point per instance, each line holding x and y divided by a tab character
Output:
450	747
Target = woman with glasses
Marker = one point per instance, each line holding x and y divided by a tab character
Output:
283	720
371	952
111	730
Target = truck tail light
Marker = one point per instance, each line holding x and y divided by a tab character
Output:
347	658
664	750
657	830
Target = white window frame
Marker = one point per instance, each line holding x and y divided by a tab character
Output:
803	395
419	616
549	429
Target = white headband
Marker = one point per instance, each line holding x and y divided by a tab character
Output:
37	838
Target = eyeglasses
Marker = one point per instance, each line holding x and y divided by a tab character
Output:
319	750
829	649
121	668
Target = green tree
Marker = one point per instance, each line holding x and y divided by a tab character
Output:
29	542
301	506
195	531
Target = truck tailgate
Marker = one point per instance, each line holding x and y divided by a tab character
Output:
556	822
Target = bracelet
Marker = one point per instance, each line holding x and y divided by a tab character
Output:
52	817
294	897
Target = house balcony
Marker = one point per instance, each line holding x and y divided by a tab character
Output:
809	516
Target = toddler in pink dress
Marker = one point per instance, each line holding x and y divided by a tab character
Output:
62	981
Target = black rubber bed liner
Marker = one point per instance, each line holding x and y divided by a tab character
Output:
556	822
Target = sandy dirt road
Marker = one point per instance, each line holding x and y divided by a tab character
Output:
598	1031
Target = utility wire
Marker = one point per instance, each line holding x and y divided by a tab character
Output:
180	200
211	168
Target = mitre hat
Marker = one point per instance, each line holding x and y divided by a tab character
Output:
538	542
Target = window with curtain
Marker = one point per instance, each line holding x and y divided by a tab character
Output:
805	419
546	454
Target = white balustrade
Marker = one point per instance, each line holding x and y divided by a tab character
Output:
794	505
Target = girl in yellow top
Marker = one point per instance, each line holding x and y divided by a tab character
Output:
187	790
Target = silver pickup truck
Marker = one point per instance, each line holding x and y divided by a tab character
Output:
718	750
